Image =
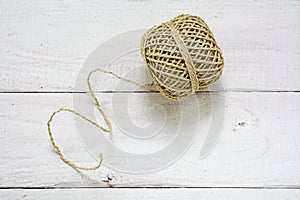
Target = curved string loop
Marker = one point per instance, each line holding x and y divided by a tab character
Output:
101	111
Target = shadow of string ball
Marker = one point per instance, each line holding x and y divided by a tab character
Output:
182	56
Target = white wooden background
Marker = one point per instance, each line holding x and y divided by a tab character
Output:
43	45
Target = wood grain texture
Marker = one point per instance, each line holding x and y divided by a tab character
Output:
44	44
143	194
258	146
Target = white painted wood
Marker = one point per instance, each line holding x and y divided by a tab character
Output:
259	145
143	194
43	44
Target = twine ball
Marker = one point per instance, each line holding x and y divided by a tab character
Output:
182	56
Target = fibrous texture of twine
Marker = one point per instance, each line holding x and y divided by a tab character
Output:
182	57
101	111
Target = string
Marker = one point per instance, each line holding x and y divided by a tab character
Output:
101	111
166	70
186	56
182	56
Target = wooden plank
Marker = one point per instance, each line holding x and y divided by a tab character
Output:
109	194
43	44
258	146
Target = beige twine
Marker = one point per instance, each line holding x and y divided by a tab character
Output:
182	58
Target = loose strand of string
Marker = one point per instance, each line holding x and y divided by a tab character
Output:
101	111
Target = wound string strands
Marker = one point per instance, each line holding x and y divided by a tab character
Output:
182	56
